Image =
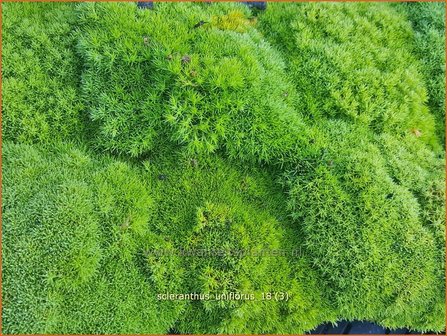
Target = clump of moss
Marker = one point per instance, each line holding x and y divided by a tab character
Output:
207	114
93	230
422	171
353	62
233	231
428	22
216	206
205	87
367	235
73	229
364	197
41	101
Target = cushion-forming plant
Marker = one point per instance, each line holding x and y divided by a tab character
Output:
41	101
381	164
89	246
159	75
353	62
428	21
377	241
72	230
308	127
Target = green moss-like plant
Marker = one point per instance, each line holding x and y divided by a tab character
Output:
82	238
368	233
73	230
40	73
428	22
215	86
365	198
214	206
353	62
308	128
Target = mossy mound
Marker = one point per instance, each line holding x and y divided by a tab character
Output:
95	230
216	206
41	101
353	62
73	227
371	191
428	22
312	129
371	235
215	86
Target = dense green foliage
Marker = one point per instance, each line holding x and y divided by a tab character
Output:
81	242
351	61
367	204
428	21
214	205
131	135
366	233
73	228
40	73
215	86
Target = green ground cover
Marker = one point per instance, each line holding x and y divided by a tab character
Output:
315	127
